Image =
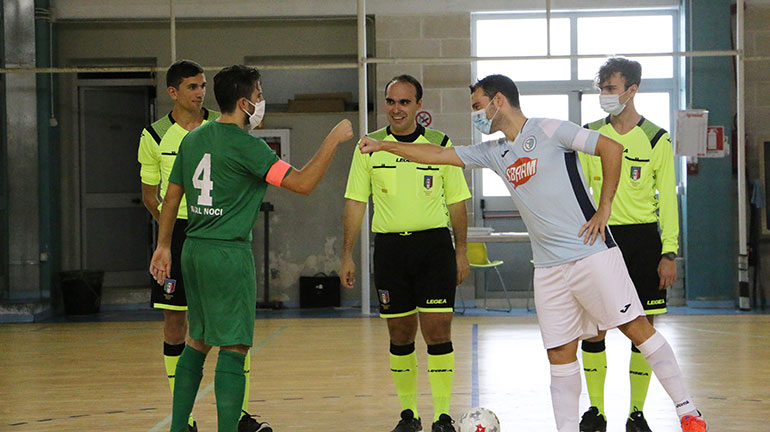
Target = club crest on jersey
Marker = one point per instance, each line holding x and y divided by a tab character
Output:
521	171
636	173
384	296
427	181
169	286
529	144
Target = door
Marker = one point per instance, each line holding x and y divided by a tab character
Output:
116	229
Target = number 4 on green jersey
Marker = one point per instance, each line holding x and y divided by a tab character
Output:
201	180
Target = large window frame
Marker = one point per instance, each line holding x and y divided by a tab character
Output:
574	88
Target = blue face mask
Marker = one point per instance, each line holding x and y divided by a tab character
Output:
481	122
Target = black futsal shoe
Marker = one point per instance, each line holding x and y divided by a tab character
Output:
637	423
247	423
443	424
592	421
408	423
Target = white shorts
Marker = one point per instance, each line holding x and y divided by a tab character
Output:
576	299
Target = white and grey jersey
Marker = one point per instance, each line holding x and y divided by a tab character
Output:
543	174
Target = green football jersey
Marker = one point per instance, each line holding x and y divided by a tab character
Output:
224	173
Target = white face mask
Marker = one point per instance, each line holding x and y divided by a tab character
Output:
480	120
611	103
256	117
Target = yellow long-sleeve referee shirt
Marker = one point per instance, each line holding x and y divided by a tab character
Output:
407	196
647	189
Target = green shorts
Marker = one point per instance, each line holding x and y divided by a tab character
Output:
221	286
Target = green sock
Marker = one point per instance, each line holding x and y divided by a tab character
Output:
403	369
595	369
246	373
228	388
441	373
189	372
639	373
171	359
171	355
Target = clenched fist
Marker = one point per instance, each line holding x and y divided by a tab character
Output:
343	131
369	145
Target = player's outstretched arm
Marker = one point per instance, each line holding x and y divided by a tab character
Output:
160	266
351	227
304	180
420	153
611	154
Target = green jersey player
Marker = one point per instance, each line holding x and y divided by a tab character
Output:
224	172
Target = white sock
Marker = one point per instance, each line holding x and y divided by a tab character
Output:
565	395
660	356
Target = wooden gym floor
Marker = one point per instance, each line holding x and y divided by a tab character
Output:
332	374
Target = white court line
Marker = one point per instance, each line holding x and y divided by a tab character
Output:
743	334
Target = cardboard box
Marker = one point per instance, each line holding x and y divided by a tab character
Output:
316	105
346	96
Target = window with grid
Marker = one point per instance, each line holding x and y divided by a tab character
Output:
563	88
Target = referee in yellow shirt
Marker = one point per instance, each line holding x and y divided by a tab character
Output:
645	202
416	267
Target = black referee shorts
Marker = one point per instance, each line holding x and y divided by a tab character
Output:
172	296
641	247
415	272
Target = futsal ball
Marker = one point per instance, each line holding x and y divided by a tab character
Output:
479	420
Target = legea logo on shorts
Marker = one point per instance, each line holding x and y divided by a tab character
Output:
521	171
436	301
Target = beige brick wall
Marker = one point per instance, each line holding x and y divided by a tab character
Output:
445	87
